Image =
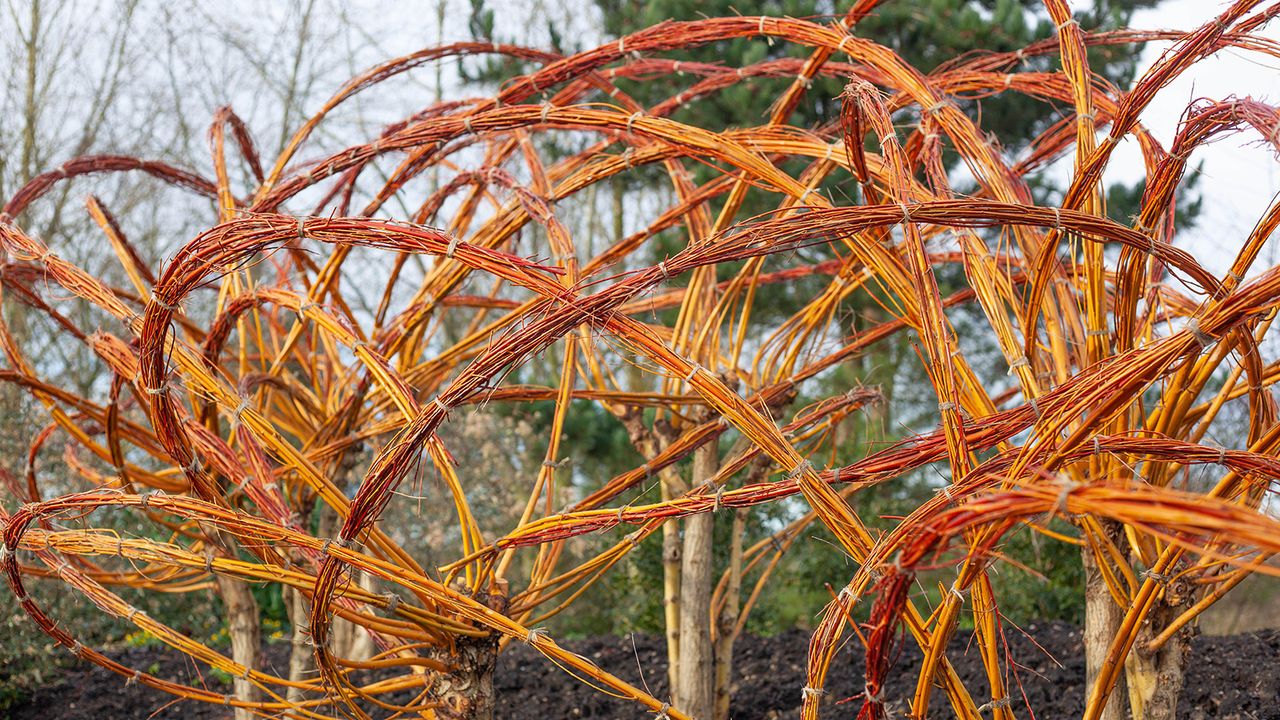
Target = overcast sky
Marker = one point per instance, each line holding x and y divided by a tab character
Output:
1241	177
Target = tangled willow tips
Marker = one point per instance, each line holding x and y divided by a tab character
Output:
239	397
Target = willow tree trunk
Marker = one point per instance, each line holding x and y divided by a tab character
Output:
1102	619
349	640
346	639
695	693
671	562
649	442
1155	679
246	635
466	693
727	621
301	658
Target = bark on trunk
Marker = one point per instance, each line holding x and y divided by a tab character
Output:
695	693
671	553
649	443
1102	619
467	692
246	636
346	639
1155	679
301	658
726	627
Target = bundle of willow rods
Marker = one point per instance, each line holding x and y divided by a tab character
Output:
221	431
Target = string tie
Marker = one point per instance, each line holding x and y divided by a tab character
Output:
444	407
996	704
1201	337
768	38
1159	578
807	693
1019	362
719	494
799	469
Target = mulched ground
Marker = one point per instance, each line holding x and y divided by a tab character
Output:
1231	678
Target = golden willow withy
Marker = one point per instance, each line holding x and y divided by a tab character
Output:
223	433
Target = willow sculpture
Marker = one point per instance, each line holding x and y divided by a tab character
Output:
243	379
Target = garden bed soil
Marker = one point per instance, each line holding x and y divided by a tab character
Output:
1234	677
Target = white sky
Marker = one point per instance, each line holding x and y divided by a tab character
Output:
1241	178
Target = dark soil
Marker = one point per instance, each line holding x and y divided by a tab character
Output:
1234	677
